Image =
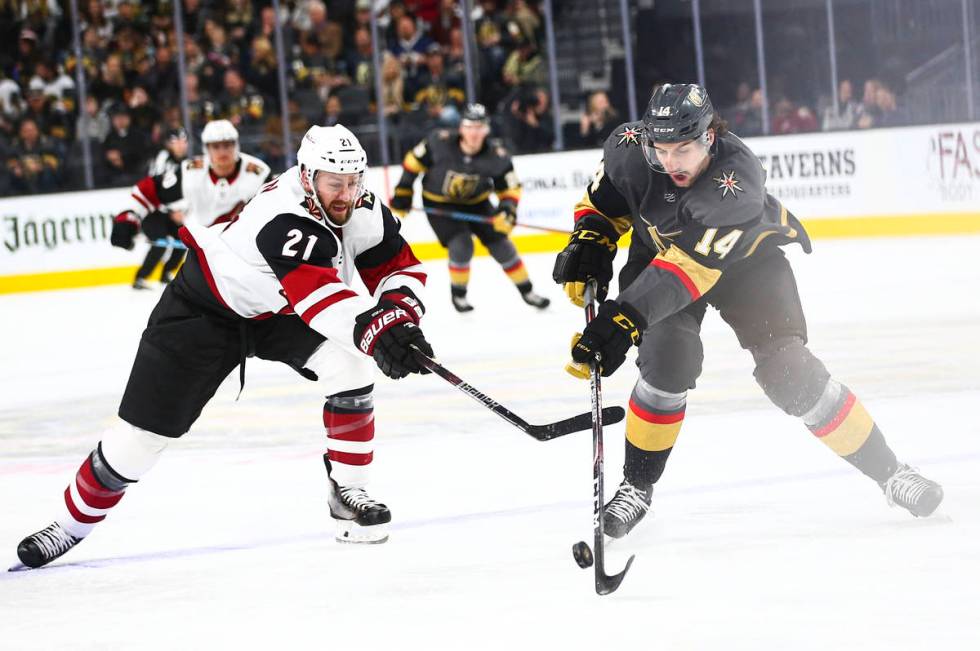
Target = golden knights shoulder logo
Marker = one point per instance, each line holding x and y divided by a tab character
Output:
628	136
728	183
459	186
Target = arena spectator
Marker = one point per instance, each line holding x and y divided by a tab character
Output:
124	151
360	64
93	123
529	124
598	120
445	21
411	48
392	85
845	114
788	117
271	149
239	103
34	163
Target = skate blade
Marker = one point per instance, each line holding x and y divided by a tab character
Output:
18	567
349	531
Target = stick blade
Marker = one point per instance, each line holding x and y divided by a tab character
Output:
608	584
578	423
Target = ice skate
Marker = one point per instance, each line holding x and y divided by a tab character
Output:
913	492
535	300
460	302
360	519
42	547
625	510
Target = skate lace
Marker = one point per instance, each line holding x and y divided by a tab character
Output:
54	541
905	486
357	498
628	503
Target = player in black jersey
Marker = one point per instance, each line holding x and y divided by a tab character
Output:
460	170
705	232
163	223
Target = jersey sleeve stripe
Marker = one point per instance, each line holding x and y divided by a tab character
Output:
689	285
141	201
318	295
334	298
403	260
148	189
695	277
412	164
305	279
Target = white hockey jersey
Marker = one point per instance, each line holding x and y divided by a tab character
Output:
205	198
279	257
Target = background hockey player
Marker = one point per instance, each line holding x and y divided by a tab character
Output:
274	283
208	189
163	223
705	232
460	170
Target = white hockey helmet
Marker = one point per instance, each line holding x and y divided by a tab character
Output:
335	150
220	131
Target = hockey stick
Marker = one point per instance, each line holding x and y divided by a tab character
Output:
171	242
540	432
604	584
480	219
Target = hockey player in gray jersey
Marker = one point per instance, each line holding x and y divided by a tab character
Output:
274	282
705	232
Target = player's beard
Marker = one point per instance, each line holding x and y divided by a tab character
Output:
340	211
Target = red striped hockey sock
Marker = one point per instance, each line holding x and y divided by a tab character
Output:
349	420
95	489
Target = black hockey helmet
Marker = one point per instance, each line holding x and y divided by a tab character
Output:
475	113
676	113
177	133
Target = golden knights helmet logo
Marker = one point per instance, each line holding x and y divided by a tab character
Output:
458	186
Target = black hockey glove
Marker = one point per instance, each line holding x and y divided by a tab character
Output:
607	339
588	254
125	226
401	203
387	333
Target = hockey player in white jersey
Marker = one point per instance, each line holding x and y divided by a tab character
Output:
210	189
275	283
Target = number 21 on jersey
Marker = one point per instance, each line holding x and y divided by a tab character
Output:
294	237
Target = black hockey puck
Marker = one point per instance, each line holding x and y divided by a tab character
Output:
582	554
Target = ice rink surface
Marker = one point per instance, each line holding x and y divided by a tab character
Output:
760	537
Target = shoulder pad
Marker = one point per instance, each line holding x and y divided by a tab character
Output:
731	191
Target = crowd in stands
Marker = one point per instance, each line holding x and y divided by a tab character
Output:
129	59
129	62
877	107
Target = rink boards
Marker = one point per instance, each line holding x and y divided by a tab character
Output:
889	182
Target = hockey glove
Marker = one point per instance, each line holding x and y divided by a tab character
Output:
505	219
588	254
125	226
387	333
401	203
607	339
406	299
